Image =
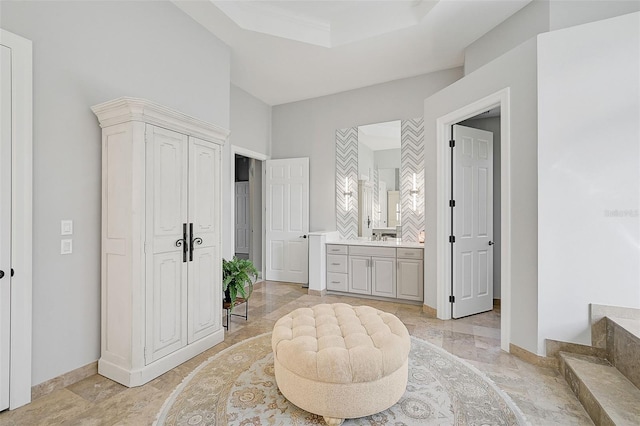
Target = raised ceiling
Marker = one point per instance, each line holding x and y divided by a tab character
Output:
285	51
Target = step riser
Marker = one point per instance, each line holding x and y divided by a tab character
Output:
623	351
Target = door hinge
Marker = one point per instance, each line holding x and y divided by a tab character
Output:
452	203
452	143
452	239
452	299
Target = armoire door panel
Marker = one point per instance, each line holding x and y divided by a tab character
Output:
204	189
166	307
204	271
166	188
204	296
166	212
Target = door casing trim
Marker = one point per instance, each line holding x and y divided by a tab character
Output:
443	219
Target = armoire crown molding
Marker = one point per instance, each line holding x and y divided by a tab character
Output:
126	109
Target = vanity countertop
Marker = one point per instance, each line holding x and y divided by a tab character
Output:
389	243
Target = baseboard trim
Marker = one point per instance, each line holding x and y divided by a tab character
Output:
531	358
554	347
64	380
320	293
429	311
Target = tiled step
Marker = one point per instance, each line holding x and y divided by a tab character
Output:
607	395
623	347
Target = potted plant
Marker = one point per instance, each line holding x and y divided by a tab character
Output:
237	279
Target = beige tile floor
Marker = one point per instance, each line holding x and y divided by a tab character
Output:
542	394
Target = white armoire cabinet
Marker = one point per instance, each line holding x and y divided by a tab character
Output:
161	246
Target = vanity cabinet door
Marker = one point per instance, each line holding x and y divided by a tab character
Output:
359	274
383	276
410	282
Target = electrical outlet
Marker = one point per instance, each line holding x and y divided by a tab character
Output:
66	227
66	246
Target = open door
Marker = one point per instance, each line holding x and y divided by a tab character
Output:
287	220
243	217
472	221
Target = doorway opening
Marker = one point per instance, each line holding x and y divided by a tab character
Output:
444	267
248	207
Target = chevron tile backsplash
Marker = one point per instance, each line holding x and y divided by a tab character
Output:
412	162
347	181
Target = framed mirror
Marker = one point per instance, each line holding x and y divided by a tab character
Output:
380	180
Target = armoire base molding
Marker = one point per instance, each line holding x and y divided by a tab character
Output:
132	378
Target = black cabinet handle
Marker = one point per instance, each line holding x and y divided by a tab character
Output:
1	274
183	242
194	241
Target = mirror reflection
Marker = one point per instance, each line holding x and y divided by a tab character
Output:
379	179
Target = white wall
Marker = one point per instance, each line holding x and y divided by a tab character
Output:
538	17
526	23
589	174
567	13
308	129
492	124
83	54
388	158
516	70
250	130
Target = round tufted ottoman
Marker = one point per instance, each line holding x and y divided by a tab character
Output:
340	361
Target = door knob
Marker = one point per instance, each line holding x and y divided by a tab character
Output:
491	243
1	274
302	236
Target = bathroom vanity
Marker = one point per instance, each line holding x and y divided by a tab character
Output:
386	269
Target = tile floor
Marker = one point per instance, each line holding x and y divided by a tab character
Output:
542	394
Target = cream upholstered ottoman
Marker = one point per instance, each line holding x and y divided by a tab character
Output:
340	361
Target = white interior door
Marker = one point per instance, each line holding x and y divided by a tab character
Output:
287	220
5	223
473	221
382	203
204	266
365	209
167	159
243	228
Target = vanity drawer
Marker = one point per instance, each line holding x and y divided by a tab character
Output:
337	282
337	263
372	251
336	249
410	253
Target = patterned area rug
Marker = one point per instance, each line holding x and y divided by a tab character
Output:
238	387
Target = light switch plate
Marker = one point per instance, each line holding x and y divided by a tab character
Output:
66	246
66	227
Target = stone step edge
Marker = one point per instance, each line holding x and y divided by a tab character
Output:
602	409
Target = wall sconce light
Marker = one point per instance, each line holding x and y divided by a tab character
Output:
347	194
414	193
